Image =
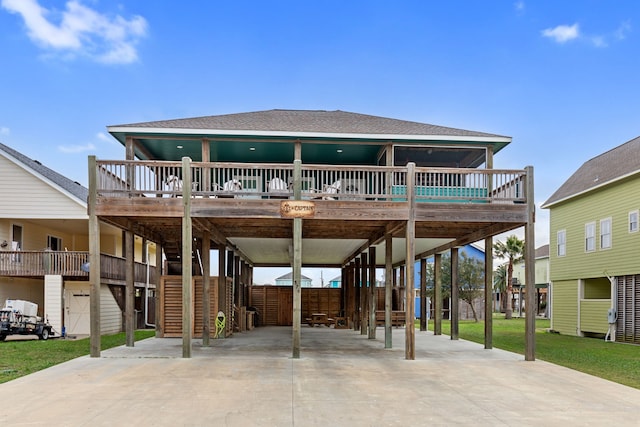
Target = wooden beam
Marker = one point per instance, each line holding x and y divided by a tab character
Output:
297	257
488	293
410	333
94	262
159	273
206	288
388	289
187	263
129	317
437	294
364	294
372	293
453	312
529	265
423	294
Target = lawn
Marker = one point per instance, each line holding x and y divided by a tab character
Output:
612	361
23	357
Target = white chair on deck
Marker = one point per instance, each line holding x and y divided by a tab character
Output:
175	185
233	185
331	189
278	185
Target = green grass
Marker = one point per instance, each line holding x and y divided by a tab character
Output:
23	357
612	361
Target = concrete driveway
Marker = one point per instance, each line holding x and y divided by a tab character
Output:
341	379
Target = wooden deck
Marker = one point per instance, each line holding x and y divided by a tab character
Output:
363	202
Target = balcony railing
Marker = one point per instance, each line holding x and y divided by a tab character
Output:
68	264
328	182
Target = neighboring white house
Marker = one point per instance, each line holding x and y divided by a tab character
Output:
44	246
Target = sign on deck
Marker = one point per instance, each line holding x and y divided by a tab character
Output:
297	209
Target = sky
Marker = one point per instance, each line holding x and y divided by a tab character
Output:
560	78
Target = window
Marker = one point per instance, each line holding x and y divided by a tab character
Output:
633	221
605	233
54	243
590	236
562	242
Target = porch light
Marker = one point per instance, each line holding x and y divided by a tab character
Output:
252	148
179	147
339	150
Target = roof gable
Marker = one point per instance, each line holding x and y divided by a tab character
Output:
43	173
604	169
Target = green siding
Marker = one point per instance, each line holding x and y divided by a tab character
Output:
564	316
593	315
614	201
597	288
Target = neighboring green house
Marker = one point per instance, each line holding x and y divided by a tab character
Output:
287	280
542	280
595	247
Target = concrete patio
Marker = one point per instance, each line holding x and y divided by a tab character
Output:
342	379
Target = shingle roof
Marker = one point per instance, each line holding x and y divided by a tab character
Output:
316	121
289	276
63	182
542	252
610	166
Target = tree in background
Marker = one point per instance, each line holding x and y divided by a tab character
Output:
470	281
513	250
500	284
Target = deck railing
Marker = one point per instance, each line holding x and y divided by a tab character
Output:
68	264
329	182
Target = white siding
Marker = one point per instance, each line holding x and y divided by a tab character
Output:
110	314
25	195
25	289
53	301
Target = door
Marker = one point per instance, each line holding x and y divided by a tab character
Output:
77	320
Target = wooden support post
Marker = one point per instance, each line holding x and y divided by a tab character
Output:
402	287
364	294
388	289
129	315
222	285
94	261
187	261
372	293
297	258
437	294
453	313
410	333
529	266
159	326
358	288
423	295
488	293
206	287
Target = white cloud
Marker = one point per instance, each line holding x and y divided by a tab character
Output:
81	30
519	5
622	31
599	41
76	148
4	130
562	33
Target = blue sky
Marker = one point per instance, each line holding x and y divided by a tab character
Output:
561	78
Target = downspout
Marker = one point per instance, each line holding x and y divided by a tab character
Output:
612	315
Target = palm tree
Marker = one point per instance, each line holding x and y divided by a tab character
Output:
512	250
500	284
